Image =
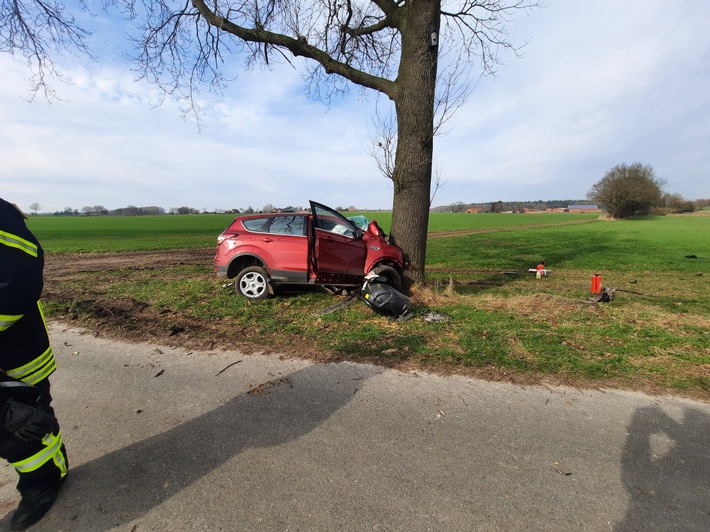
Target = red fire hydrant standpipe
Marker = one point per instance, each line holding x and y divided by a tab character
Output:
596	284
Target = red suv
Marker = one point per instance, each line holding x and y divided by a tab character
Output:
319	247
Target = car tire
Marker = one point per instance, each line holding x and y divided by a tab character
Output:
253	283
389	273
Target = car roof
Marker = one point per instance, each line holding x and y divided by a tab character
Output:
270	214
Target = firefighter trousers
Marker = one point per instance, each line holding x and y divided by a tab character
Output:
40	464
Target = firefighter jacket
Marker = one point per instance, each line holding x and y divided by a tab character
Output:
25	353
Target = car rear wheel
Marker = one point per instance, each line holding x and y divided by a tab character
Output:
253	283
389	273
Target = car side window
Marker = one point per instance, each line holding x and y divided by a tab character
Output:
288	225
332	221
257	225
335	225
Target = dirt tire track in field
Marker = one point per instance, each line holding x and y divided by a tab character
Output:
462	232
74	263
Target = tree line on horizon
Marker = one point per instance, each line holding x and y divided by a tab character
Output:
509	206
670	203
624	191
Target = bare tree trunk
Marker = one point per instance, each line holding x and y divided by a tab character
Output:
414	103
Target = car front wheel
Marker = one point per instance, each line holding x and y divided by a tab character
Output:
253	283
389	273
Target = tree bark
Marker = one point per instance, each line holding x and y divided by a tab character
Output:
414	104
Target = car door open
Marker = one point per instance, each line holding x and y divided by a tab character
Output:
337	251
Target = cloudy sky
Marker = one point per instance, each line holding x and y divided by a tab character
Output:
599	84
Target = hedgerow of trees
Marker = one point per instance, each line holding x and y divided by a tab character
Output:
628	190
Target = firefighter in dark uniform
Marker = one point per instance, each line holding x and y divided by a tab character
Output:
29	432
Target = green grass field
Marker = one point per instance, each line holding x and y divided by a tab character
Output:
501	322
61	234
651	245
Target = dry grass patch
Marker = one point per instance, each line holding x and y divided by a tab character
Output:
539	307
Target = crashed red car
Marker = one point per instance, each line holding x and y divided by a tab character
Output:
320	247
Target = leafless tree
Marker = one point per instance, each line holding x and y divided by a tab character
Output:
37	30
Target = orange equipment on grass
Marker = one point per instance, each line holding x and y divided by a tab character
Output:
596	284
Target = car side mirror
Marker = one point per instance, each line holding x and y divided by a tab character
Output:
358	233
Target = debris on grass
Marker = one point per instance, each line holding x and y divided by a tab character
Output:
263	389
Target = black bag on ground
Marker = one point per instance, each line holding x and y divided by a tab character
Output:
385	300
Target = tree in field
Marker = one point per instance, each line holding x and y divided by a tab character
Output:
418	54
497	206
627	191
677	203
34	207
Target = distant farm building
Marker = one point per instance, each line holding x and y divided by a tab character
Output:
473	210
582	208
575	208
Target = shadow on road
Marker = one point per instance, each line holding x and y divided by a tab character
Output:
665	468
125	484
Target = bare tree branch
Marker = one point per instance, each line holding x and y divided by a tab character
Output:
36	29
383	143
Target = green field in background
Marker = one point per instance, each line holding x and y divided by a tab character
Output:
61	234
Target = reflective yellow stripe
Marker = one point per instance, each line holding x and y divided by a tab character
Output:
38	369
41	367
15	241
41	313
51	451
8	320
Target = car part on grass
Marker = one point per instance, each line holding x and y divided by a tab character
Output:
524	272
632	292
435	317
604	296
342	304
384	299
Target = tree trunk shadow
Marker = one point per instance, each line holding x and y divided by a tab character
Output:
665	467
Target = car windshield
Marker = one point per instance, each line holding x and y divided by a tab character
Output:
360	221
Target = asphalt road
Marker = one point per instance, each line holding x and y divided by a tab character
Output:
166	439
